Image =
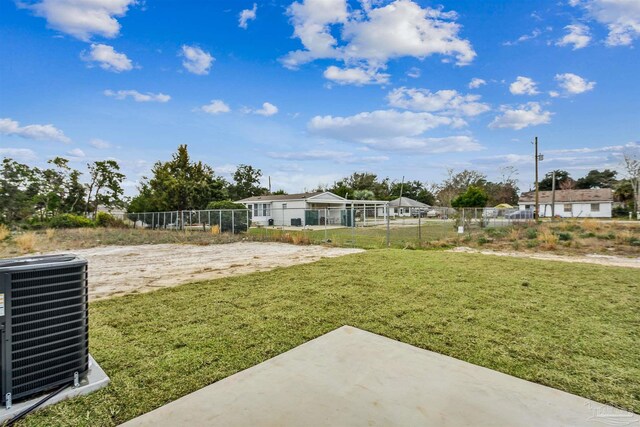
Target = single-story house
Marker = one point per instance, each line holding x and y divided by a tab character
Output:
404	206
592	203
310	209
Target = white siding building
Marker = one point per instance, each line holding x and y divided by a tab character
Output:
310	209
593	203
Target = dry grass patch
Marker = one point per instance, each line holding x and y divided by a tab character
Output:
4	232
590	225
26	242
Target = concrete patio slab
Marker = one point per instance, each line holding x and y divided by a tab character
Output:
350	377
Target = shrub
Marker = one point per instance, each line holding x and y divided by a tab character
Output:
565	237
532	233
483	240
4	232
620	212
225	204
70	221
26	242
105	219
215	229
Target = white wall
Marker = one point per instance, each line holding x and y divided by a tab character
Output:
282	216
578	210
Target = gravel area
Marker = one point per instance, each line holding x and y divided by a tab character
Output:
614	261
118	270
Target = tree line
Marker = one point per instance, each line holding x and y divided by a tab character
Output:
35	194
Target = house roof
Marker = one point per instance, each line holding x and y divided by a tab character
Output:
277	197
405	202
567	196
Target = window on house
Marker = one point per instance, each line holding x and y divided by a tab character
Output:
284	206
256	210
266	209
595	207
567	207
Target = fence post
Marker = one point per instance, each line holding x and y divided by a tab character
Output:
419	227
247	221
182	221
220	219
388	229
326	218
233	221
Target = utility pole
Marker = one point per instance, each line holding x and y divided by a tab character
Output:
553	197
538	158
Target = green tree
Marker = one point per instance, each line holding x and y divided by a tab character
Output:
179	184
563	180
105	186
473	197
457	183
246	183
18	190
415	190
598	179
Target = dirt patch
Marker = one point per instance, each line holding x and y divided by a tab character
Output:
613	261
119	270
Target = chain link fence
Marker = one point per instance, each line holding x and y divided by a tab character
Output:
364	227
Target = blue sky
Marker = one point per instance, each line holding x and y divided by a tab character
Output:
312	90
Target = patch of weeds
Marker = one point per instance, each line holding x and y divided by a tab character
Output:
531	233
565	236
482	240
532	244
608	236
496	232
588	235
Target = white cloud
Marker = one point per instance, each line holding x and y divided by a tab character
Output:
534	34
630	146
137	96
267	109
38	132
523	86
100	143
107	58
355	76
331	155
196	60
621	17
391	130
530	114
577	35
573	84
23	154
371	36
82	18
414	72
554	93
216	106
475	83
76	152
448	102
247	15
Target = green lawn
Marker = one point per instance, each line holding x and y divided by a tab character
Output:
570	326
